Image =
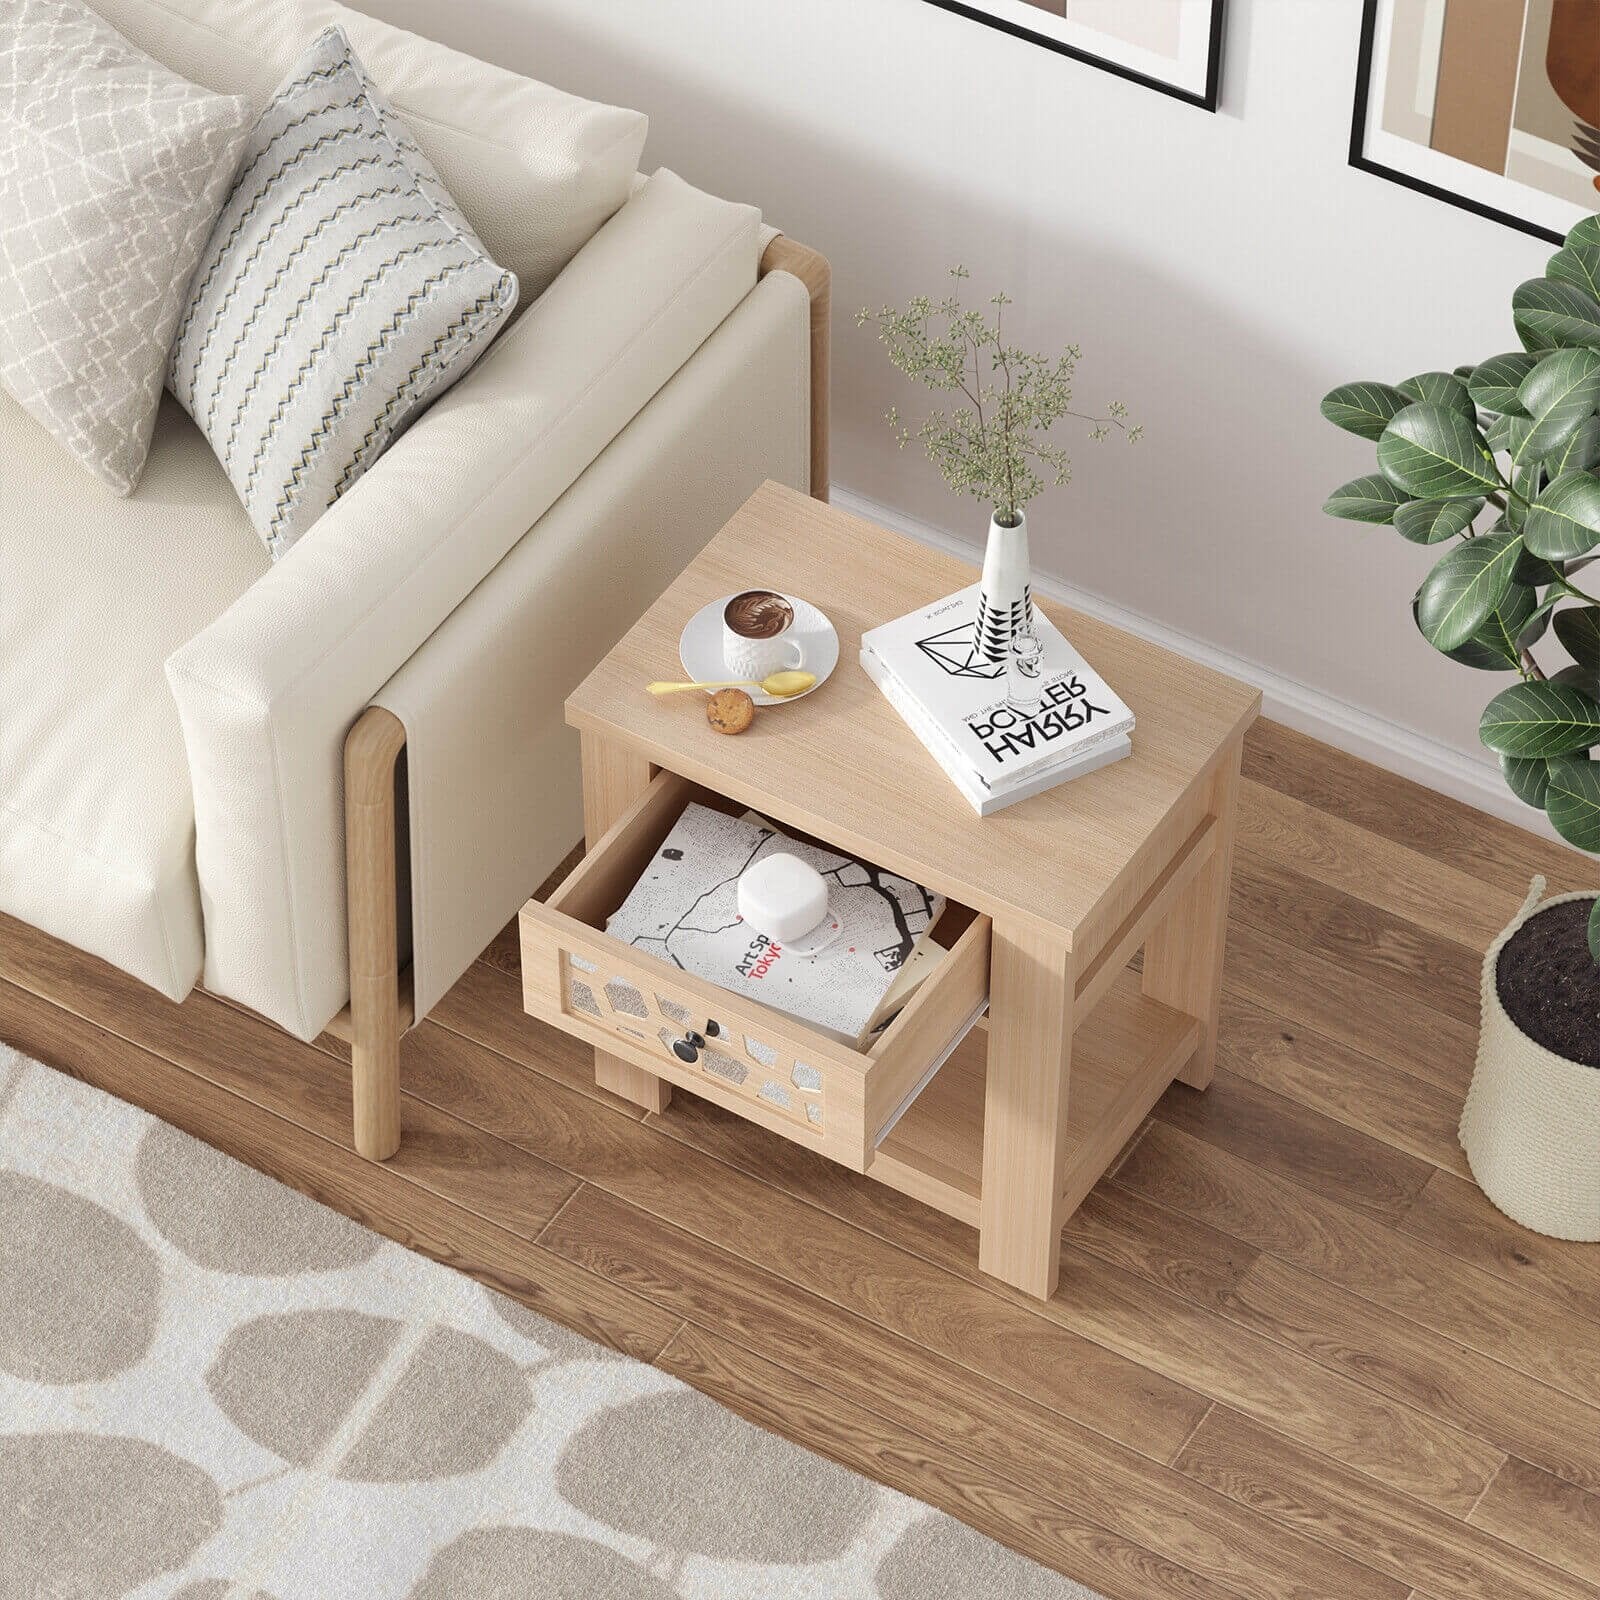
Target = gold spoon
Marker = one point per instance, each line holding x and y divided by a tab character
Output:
780	685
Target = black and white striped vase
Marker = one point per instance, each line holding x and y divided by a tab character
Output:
1005	603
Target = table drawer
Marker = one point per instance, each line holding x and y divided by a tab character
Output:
759	1063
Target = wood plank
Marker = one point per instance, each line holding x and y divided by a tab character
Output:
1514	1413
1408	814
1445	900
1277	1135
1021	1443
768	1396
486	1005
1352	1088
509	1185
1545	1516
1371	946
1454	1216
1302	987
381	1196
1411	1542
1514	1323
961	1319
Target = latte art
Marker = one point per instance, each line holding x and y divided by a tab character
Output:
758	614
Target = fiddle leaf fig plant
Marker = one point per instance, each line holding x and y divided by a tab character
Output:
1500	462
991	444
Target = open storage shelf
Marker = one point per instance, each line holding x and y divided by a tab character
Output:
1124	1055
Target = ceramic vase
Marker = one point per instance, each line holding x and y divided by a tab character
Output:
1005	602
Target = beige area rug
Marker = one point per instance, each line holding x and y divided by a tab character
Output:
212	1388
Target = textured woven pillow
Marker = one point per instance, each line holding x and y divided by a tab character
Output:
111	172
341	291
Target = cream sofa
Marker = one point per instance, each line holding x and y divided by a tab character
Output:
319	788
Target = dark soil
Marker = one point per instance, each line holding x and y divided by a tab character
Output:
1550	985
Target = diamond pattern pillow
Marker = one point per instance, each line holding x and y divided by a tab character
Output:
341	292
111	172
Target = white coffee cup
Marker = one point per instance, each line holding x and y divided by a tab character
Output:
758	635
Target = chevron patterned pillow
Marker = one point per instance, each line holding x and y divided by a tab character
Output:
111	172
340	293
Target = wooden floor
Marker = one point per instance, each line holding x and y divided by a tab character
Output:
1295	1355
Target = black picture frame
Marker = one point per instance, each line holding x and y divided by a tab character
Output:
1205	99
1360	159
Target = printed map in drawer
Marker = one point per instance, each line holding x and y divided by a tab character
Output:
684	909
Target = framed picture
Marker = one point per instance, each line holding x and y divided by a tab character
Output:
1492	105
1171	45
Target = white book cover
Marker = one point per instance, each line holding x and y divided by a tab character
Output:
931	656
684	909
981	797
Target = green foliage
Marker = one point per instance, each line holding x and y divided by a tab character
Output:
1518	433
992	443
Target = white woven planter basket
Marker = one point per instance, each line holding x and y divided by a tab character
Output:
1531	1125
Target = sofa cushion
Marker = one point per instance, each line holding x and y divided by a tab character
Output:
112	170
340	293
96	814
536	171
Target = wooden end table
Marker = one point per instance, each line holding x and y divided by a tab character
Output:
1006	1126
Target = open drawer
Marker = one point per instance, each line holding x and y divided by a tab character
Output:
759	1063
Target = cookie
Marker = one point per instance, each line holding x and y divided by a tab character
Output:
730	711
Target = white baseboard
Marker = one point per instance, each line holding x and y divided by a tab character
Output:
1376	739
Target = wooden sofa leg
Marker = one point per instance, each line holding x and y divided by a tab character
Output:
812	269
371	750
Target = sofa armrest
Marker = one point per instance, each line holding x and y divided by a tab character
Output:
492	774
268	691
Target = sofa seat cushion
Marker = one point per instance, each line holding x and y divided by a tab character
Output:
96	812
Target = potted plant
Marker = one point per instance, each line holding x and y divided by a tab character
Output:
1498	462
992	443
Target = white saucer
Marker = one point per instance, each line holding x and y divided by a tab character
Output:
701	647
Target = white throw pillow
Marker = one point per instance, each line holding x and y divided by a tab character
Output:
111	172
536	170
341	291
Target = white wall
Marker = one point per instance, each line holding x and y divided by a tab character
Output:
1221	272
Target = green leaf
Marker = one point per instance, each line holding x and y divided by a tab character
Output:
1572	802
1577	262
1526	483
1539	719
1586	230
1436	454
1565	520
1363	408
1441	389
1496	646
1594	933
1578	629
1369	499
1434	521
1494	383
1559	394
1457	597
1527	777
1579	453
1551	315
1535	571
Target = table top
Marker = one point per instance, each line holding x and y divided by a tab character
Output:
841	765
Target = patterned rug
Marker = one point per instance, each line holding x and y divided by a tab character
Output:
212	1388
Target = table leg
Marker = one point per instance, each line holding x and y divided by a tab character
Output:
613	778
1025	1109
1183	957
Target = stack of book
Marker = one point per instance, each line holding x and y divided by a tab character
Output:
956	703
685	909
